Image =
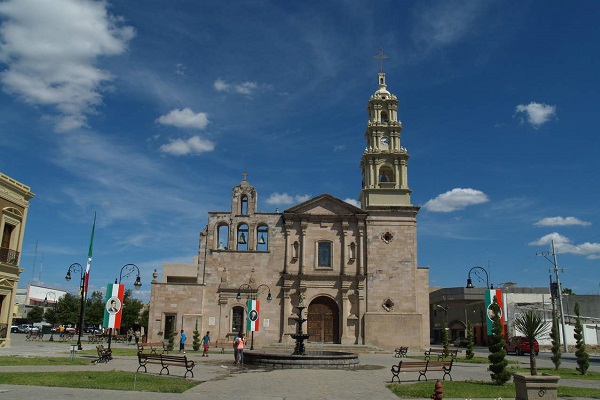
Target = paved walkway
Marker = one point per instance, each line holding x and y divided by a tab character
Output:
221	379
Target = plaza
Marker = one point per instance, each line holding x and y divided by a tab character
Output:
221	379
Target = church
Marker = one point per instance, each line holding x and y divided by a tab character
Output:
355	269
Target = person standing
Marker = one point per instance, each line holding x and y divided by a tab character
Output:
182	339
206	343
239	348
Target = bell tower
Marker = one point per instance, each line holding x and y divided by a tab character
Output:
384	162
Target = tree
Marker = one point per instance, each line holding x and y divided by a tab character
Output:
36	314
131	310
470	353
445	341
94	309
68	309
196	342
50	316
581	353
567	291
171	340
555	337
497	357
532	327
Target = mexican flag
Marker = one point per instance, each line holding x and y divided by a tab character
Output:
89	261
113	306
489	299
252	319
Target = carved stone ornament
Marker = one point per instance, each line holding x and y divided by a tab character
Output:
252	277
388	305
387	237
224	275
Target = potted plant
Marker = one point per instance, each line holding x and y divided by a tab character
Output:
532	385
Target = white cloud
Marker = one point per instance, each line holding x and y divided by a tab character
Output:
194	145
537	114
562	244
355	203
246	88
278	199
185	118
561	221
50	48
445	22
456	199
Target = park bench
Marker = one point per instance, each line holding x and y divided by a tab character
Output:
34	336
119	338
67	336
152	347
422	367
104	355
441	353
401	351
95	339
165	361
226	342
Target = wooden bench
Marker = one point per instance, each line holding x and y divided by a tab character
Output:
162	346
34	336
67	336
441	353
422	367
165	362
226	342
95	339
104	355
401	351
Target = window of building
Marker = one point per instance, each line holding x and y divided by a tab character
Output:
324	254
242	237
384	117
262	238
223	237
237	319
244	205
386	174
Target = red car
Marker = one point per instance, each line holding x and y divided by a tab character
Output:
520	345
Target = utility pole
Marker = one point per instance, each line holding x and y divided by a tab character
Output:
554	262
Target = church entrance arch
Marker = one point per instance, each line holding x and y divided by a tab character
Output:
323	320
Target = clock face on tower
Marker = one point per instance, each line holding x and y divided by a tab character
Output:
385	141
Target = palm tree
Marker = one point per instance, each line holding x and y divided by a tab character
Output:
532	327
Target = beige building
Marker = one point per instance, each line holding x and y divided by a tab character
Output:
14	203
354	268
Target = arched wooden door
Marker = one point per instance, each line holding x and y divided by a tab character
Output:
323	321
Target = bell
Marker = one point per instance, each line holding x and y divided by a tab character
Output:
262	239
242	239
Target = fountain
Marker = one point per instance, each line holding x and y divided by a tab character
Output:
301	358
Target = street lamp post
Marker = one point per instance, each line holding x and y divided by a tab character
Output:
54	309
476	273
128	269
252	294
75	267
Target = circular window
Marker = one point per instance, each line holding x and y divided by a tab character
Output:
387	237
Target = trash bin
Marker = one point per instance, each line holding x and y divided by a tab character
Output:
46	329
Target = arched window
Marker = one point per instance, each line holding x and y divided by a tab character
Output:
384	116
352	251
244	205
223	237
386	174
242	237
262	238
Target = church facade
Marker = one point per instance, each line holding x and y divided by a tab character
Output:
355	269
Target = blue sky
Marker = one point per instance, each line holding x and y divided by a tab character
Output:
148	113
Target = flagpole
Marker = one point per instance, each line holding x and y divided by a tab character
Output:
84	285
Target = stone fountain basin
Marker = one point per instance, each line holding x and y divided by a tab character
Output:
312	359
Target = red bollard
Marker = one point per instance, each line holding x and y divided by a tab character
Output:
439	391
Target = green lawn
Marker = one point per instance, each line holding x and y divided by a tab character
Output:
114	380
19	360
472	389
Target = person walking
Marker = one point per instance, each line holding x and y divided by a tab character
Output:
239	348
206	343
182	339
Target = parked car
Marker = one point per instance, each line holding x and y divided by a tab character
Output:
24	328
520	345
461	342
14	328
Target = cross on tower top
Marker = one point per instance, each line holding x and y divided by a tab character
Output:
381	57
244	174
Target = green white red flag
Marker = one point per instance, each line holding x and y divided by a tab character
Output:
252	319
490	294
113	306
89	261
